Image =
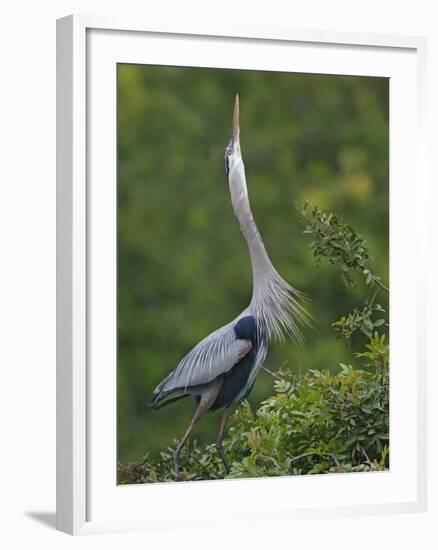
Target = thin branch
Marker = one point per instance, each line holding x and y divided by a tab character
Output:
379	282
371	303
272	373
375	279
365	455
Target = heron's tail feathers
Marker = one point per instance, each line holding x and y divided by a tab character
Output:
165	393
158	402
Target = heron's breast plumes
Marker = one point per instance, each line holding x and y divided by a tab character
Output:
278	308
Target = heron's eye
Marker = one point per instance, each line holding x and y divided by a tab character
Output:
229	152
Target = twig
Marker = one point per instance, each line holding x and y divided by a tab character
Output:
366	456
379	282
371	303
376	280
275	375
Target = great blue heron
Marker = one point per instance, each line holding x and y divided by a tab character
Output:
222	368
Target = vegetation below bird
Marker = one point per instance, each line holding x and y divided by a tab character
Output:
314	423
318	421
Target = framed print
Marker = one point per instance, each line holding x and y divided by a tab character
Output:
233	321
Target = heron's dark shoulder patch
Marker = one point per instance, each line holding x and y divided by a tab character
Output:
246	328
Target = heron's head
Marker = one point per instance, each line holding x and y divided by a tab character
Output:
234	166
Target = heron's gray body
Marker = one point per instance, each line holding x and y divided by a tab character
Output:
213	359
275	309
222	368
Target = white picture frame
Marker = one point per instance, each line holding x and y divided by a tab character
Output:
88	48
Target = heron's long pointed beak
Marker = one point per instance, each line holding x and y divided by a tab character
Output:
235	135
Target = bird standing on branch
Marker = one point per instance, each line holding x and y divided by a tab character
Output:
222	368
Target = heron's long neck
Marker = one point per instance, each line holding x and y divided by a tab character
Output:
262	268
274	301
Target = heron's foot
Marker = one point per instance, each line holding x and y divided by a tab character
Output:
221	452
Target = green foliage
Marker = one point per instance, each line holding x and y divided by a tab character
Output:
314	423
360	320
339	243
377	354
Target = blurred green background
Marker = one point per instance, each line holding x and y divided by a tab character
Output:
183	266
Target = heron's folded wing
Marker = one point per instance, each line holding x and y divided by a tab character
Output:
214	355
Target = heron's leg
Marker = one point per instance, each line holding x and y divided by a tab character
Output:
219	438
207	400
198	413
